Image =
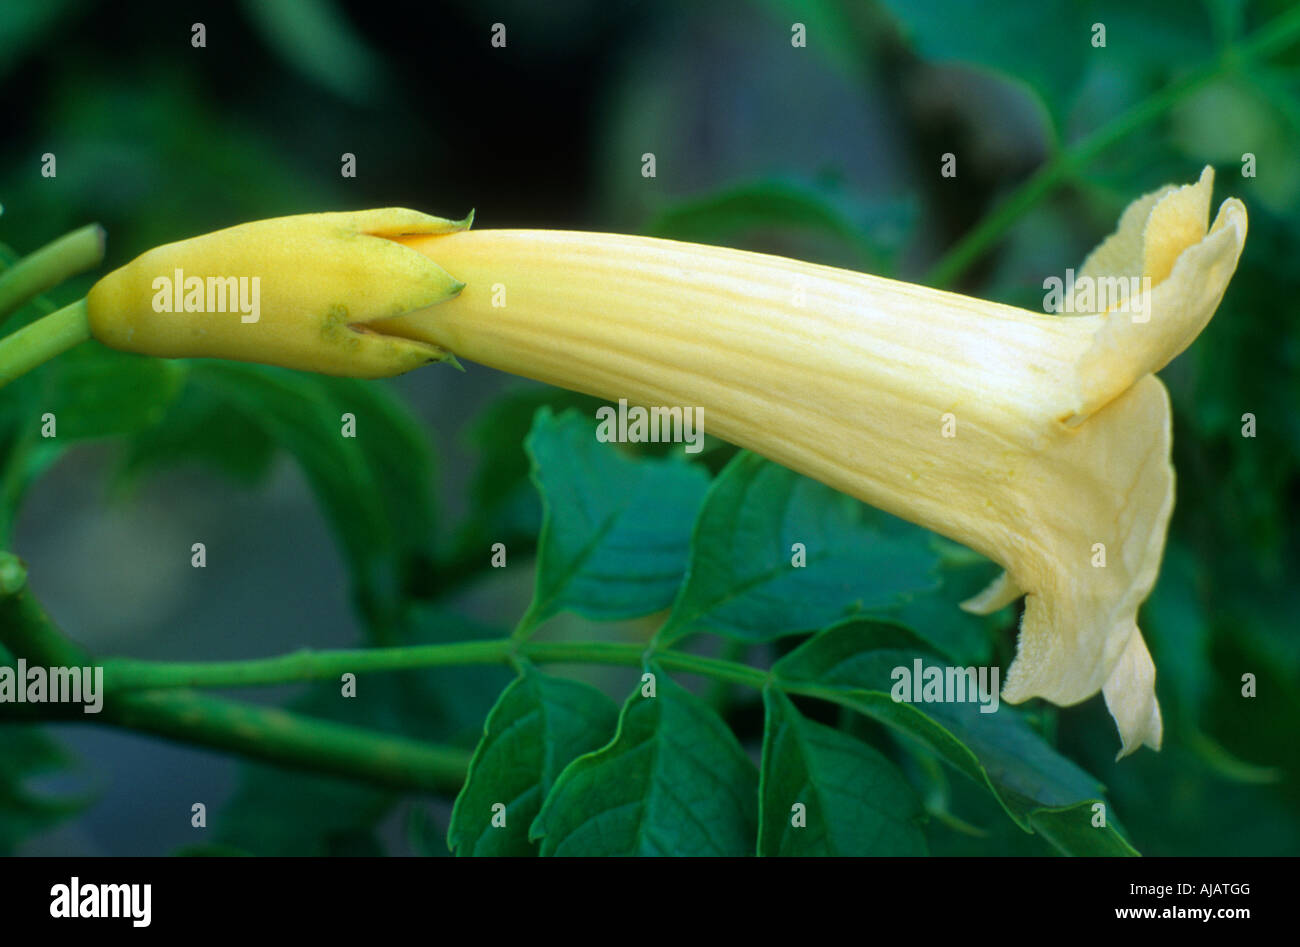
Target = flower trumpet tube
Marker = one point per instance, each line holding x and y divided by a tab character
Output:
1058	465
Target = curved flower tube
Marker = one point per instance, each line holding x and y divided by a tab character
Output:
1057	461
1062	432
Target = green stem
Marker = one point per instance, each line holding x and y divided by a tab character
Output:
25	629
1277	35
269	734
125	674
719	693
288	739
150	696
45	338
124	678
49	266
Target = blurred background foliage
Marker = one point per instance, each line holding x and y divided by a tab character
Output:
828	153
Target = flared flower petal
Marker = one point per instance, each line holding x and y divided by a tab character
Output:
1079	630
1163	238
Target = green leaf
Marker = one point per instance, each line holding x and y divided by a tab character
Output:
1049	46
23	26
91	391
842	32
674	781
27	753
1073	830
204	428
616	530
937	616
1043	45
315	38
278	812
852	664
375	488
743	582
399	454
538	726
94	391
503	501
1209	124
24	454
856	802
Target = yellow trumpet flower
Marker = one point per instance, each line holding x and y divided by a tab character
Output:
1039	440
1058	468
